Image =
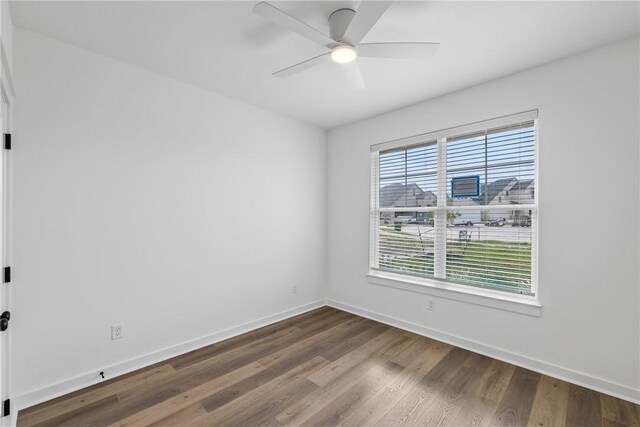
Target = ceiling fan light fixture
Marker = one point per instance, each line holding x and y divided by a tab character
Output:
343	53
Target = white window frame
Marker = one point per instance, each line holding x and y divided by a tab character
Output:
439	286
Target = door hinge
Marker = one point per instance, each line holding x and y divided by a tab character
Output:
7	141
7	275
6	407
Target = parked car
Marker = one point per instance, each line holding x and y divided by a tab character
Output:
497	222
459	223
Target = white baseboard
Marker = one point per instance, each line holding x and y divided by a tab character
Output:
64	387
598	384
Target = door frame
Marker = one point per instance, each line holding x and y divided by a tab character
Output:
7	94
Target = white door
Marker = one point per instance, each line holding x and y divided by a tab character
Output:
5	256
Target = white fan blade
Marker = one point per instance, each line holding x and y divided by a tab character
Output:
301	66
409	50
365	18
352	76
290	23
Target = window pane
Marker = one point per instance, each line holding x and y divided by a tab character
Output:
510	167
501	159
405	242
484	235
408	177
494	252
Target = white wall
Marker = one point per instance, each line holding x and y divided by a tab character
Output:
6	31
150	203
588	267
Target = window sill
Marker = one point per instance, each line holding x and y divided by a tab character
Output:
487	298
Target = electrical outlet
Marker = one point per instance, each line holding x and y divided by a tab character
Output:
294	289
116	332
431	305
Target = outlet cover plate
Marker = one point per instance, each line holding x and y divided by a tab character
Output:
116	332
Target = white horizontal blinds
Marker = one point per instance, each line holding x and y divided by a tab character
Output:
461	207
511	161
490	237
408	177
373	212
407	187
496	256
458	130
503	159
405	247
440	224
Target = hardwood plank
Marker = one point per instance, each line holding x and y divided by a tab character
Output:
347	402
304	409
355	342
342	365
184	417
263	411
496	381
550	403
189	397
454	397
83	415
329	336
416	350
619	411
609	423
244	402
287	360
583	407
486	395
312	320
81	398
426	389
330	321
420	358
515	407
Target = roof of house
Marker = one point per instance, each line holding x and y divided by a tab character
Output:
491	191
392	193
425	195
522	185
389	194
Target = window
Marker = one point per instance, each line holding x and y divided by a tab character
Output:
458	206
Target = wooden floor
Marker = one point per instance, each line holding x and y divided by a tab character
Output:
328	368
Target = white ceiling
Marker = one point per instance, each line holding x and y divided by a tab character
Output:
224	47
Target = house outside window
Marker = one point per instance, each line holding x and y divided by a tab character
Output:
421	228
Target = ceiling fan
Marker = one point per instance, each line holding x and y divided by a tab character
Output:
346	29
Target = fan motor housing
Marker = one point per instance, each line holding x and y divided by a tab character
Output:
339	21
